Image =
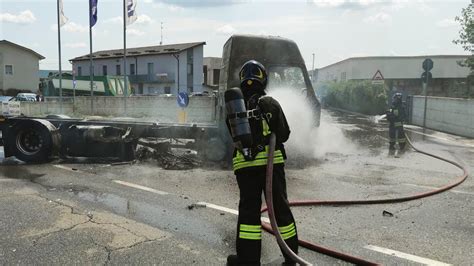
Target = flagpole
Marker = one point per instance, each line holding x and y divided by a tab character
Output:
125	93
60	70
91	68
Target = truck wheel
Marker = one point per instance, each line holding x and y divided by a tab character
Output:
33	141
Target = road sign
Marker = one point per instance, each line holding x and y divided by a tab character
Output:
428	64
183	99
426	77
378	78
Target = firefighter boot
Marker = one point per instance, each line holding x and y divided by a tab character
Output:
232	260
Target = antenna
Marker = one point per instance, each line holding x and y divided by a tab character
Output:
161	41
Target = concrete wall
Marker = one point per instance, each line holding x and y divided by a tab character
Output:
25	68
145	108
452	115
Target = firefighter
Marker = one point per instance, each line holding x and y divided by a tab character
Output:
266	116
396	117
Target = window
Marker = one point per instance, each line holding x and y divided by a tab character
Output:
79	71
132	69
104	70
117	70
151	69
215	76
286	77
190	69
8	69
167	90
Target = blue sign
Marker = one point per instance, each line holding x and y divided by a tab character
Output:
183	99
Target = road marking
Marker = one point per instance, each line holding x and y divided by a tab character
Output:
436	137
68	168
225	209
159	192
406	256
451	190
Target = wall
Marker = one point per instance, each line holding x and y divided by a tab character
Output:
452	115
25	69
155	108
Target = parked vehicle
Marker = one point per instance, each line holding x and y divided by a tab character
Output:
24	97
5	98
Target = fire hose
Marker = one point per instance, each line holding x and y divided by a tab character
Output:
273	227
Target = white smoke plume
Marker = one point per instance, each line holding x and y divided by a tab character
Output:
307	140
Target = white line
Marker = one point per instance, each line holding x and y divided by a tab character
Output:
451	190
141	187
225	209
406	256
68	168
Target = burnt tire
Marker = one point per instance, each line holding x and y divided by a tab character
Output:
33	141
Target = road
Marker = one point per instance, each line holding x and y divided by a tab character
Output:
64	213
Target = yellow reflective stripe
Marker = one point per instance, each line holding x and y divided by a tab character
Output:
395	112
257	159
286	228
251	236
260	162
251	228
261	155
288	235
266	128
401	140
398	124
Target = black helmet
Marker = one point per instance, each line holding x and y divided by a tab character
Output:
252	71
397	98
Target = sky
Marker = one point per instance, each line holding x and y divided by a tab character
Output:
332	30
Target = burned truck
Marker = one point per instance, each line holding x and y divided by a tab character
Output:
38	139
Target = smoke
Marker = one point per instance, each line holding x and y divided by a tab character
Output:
306	140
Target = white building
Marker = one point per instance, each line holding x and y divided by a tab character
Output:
212	69
152	69
401	73
19	68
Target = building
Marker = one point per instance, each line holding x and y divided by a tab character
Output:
151	70
400	73
212	69
19	68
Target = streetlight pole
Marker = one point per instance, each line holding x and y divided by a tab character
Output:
176	56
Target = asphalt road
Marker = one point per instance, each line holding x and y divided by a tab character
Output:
63	213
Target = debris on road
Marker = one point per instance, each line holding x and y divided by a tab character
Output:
387	213
196	205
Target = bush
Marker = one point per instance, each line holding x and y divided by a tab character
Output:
358	96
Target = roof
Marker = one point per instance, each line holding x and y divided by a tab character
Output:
23	48
394	57
140	51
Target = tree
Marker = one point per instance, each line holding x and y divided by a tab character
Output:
466	35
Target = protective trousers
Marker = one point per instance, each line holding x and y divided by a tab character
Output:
251	183
396	133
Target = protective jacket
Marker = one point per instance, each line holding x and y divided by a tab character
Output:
396	115
268	118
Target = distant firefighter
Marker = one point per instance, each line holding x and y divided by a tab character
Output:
396	116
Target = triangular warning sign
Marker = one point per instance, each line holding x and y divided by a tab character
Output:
378	76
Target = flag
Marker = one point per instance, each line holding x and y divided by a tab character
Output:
131	14
93	12
62	18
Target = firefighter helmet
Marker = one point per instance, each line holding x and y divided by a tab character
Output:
253	72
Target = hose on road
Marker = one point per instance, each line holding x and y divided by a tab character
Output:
327	251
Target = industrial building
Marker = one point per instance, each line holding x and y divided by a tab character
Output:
212	69
400	73
151	70
19	68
